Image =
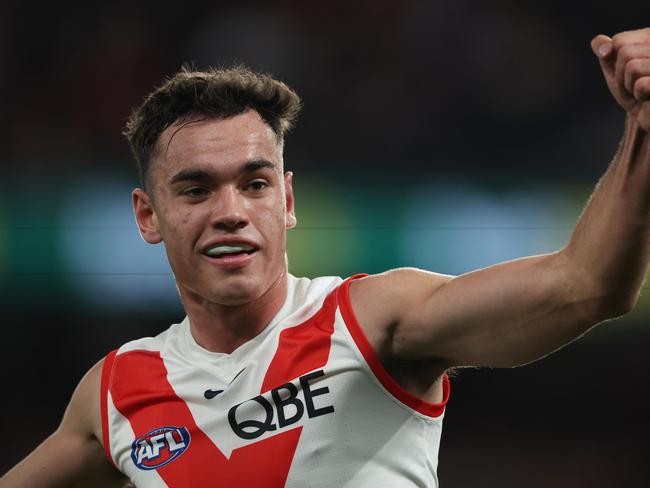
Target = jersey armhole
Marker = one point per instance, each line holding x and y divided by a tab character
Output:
107	371
374	363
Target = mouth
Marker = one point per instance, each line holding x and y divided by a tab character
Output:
231	255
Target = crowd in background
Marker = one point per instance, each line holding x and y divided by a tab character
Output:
401	99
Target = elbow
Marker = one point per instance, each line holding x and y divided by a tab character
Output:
614	305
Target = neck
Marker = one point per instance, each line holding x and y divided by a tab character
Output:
223	328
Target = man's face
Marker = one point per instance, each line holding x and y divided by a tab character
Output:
221	204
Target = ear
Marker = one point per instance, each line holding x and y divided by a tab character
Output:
290	217
145	216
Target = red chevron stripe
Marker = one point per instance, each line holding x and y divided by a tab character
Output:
141	393
303	348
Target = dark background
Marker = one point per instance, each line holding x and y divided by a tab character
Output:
447	135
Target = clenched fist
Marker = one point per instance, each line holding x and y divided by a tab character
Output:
625	60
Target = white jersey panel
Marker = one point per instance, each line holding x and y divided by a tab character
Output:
304	404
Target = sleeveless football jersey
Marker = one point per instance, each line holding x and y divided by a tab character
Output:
304	404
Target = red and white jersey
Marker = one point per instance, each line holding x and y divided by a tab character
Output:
306	403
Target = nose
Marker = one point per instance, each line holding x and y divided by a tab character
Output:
229	211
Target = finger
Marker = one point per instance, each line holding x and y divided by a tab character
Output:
628	53
631	37
635	69
603	47
642	89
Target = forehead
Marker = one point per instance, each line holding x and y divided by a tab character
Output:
218	143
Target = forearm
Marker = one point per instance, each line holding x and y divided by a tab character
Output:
609	251
73	455
64	461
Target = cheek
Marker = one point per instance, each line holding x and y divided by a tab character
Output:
177	227
276	218
270	223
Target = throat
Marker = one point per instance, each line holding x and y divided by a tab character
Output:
223	328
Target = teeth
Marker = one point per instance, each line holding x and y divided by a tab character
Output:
223	249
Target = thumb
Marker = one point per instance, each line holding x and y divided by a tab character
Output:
603	47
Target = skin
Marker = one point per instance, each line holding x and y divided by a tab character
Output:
419	323
226	307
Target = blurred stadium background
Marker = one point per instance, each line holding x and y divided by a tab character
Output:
447	135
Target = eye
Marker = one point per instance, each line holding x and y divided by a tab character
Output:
257	185
195	192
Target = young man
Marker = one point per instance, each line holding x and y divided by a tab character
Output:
277	381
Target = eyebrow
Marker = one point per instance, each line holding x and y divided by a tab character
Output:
200	174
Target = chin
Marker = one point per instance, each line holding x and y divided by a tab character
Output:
231	288
233	298
237	291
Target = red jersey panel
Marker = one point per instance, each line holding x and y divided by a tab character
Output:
306	403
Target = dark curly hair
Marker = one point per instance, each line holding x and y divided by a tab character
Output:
218	93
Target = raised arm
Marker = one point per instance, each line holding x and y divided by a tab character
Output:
515	312
73	455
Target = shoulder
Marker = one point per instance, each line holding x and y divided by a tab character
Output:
73	455
83	414
308	288
386	306
382	301
387	293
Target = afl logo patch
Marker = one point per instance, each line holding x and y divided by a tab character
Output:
159	447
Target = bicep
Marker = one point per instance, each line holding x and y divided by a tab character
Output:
73	455
504	315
